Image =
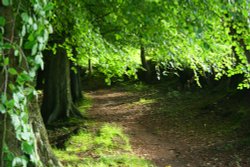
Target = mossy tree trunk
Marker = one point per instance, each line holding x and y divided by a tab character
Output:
57	99
7	131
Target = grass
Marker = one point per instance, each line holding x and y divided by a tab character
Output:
103	147
85	104
143	101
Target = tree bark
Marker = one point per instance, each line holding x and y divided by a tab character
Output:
147	73
40	79
57	100
90	68
7	131
76	89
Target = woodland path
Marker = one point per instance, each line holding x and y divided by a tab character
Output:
170	128
125	109
164	140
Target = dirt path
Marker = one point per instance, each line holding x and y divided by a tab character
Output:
125	109
170	128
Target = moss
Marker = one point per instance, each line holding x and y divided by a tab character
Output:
143	101
104	147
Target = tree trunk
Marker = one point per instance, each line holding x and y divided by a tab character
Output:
147	73
43	147
57	100
76	89
7	131
40	79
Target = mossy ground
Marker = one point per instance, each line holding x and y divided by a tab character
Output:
104	146
98	144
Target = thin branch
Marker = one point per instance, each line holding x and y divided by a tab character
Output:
20	51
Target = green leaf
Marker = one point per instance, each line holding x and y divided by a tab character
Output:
25	17
12	71
27	148
23	77
2	109
7	46
39	61
2	21
26	135
49	6
9	156
7	2
6	61
11	86
248	47
10	103
29	44
20	161
3	98
34	49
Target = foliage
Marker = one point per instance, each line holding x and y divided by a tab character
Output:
202	39
84	41
205	36
180	34
18	88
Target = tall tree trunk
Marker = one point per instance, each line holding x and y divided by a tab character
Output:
7	131
147	72
57	100
76	89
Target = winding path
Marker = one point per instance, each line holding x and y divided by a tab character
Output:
126	110
170	128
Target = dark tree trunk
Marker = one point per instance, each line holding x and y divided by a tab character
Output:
40	79
147	71
76	89
90	68
57	100
7	131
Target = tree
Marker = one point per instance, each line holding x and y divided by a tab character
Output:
177	35
24	32
58	101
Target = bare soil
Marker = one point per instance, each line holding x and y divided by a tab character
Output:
173	128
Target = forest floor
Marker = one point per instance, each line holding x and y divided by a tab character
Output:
198	128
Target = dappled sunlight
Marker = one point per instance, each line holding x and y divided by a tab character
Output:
105	146
168	126
122	83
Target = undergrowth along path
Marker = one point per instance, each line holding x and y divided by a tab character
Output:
169	127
